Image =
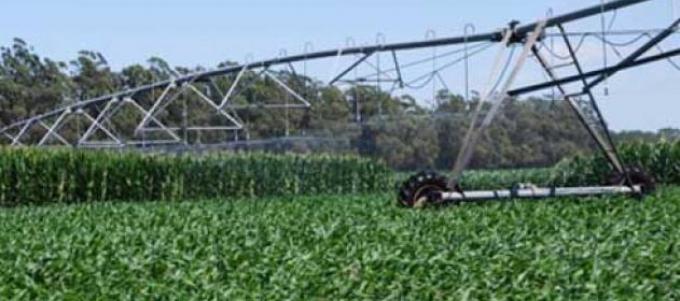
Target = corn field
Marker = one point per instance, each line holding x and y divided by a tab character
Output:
30	176
38	176
327	245
661	160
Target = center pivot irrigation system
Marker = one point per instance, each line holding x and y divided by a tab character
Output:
429	187
575	88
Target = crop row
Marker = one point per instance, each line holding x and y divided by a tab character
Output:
343	248
661	160
41	176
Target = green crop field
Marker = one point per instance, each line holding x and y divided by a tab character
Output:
343	248
79	225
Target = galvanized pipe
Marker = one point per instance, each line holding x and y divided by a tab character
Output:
537	192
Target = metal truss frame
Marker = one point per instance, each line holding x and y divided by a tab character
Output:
150	121
227	109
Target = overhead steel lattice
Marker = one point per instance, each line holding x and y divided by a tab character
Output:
149	104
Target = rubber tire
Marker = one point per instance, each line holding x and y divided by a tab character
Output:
426	184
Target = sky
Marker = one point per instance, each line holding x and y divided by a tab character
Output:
206	32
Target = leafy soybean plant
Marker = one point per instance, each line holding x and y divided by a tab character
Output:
322	246
343	248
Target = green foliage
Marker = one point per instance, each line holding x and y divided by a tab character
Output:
343	248
399	130
29	84
34	176
407	145
661	160
505	179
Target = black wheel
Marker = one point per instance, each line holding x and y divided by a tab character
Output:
423	188
638	176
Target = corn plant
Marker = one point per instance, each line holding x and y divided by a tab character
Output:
661	160
44	176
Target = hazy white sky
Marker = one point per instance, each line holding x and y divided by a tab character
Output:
205	32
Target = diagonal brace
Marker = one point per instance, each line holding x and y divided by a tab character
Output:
636	54
350	68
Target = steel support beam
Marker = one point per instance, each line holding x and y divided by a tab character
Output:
150	113
400	79
350	68
232	88
590	74
288	89
134	103
54	128
17	138
96	122
613	153
605	146
59	137
636	54
495	36
217	109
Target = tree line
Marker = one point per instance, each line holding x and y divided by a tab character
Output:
361	119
